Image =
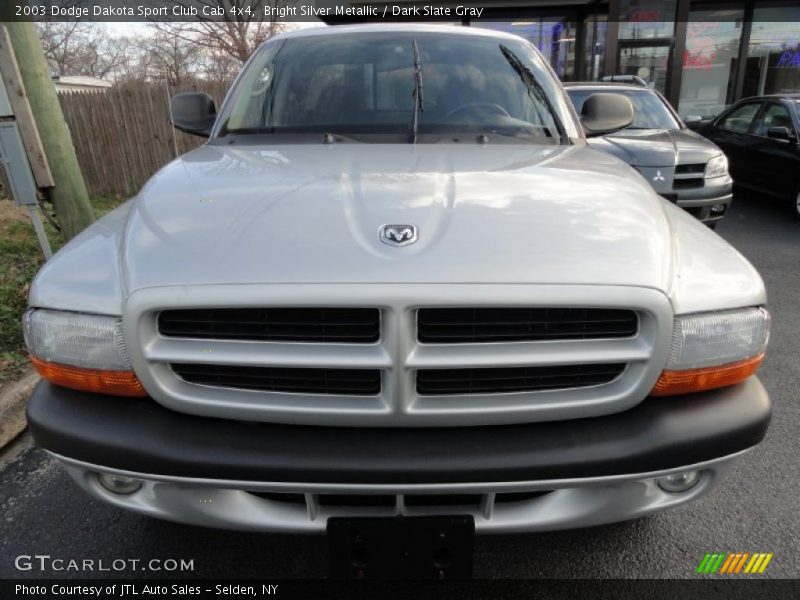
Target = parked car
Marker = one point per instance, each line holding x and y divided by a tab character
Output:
682	166
397	281
760	137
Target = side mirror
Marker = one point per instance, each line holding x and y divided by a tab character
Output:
780	133
693	121
194	113
606	113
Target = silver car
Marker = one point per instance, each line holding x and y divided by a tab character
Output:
397	282
681	165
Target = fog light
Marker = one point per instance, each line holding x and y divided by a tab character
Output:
718	208
117	484
679	482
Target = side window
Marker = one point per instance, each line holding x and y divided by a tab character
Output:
741	118
776	115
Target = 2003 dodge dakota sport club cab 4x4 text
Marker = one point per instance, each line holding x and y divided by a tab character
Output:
397	282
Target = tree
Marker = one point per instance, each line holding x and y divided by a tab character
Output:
172	55
76	48
136	63
237	34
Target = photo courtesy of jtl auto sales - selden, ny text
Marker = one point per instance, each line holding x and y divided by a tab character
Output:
375	299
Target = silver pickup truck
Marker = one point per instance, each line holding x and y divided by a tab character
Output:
397	282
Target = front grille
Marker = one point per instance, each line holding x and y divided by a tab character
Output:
686	184
459	355
689	176
692	168
408	500
321	325
479	325
438	382
353	382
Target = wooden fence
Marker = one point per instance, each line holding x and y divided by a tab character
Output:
123	136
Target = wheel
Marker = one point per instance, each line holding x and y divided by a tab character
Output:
797	204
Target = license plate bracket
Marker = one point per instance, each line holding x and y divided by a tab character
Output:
438	547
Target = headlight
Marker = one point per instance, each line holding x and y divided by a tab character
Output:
80	351
712	350
717	167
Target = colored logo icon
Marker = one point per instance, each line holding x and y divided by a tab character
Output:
734	563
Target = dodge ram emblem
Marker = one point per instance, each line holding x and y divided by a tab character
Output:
398	235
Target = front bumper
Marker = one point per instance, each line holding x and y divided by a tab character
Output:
708	203
707	209
204	471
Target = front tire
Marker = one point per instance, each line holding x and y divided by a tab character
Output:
797	204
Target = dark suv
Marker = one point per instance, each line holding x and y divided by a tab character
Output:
679	164
760	137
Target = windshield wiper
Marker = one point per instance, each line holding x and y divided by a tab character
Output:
529	79
419	103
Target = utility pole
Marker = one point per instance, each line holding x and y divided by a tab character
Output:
69	195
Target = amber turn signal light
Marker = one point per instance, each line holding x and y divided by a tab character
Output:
115	383
688	381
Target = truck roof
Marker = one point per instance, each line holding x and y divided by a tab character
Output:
396	28
605	84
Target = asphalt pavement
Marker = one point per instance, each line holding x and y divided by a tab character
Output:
756	509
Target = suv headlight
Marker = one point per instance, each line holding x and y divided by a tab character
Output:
717	167
80	351
712	350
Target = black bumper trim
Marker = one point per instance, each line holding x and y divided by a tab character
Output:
140	435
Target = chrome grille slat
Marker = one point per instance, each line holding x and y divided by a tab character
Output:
314	381
268	354
494	324
522	379
313	325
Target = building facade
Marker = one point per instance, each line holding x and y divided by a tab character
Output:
702	54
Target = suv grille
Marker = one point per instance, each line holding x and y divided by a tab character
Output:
689	176
477	325
692	168
343	325
353	382
435	382
686	184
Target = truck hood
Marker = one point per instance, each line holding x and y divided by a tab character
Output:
312	213
657	147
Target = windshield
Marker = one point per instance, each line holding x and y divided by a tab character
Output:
365	85
649	109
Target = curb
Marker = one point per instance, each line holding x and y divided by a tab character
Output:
13	400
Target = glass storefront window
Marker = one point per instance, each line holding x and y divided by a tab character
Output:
649	62
713	38
594	50
773	55
553	36
647	19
